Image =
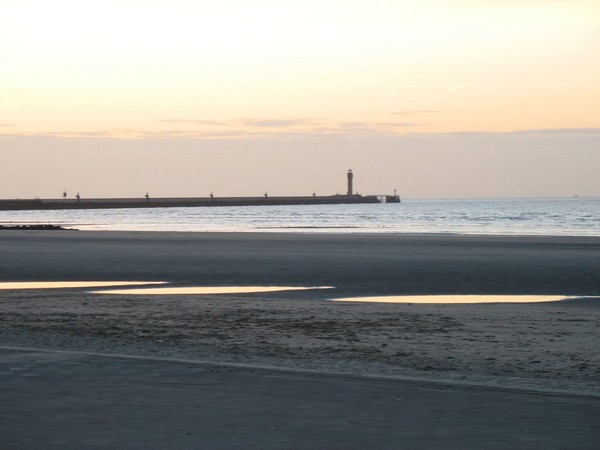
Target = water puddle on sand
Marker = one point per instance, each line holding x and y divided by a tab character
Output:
24	285
206	290
456	299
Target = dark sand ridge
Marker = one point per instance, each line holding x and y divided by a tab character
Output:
355	264
541	345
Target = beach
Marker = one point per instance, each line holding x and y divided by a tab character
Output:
543	346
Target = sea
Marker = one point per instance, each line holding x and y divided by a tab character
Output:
548	216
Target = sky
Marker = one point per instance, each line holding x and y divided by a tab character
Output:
436	99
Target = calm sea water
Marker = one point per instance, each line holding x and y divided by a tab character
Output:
574	217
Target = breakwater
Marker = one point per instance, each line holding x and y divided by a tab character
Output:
181	202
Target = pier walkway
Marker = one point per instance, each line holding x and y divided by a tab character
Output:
182	202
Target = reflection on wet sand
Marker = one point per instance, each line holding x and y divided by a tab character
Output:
456	299
23	285
204	290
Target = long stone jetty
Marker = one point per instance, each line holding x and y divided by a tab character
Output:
180	202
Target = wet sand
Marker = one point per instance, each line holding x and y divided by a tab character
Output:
544	345
79	400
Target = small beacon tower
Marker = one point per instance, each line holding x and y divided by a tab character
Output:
350	176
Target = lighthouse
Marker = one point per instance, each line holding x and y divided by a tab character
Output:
350	176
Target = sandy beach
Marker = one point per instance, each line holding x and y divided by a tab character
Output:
543	346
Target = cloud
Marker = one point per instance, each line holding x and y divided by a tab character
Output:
400	124
82	134
217	123
460	87
559	132
548	132
262	123
194	134
415	112
289	128
273	126
276	123
7	124
309	129
67	134
249	122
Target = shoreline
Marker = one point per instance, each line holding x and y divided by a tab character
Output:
284	230
545	345
326	234
301	230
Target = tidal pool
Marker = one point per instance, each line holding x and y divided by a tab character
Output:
456	299
206	290
25	285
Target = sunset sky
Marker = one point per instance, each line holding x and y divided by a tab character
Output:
497	98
